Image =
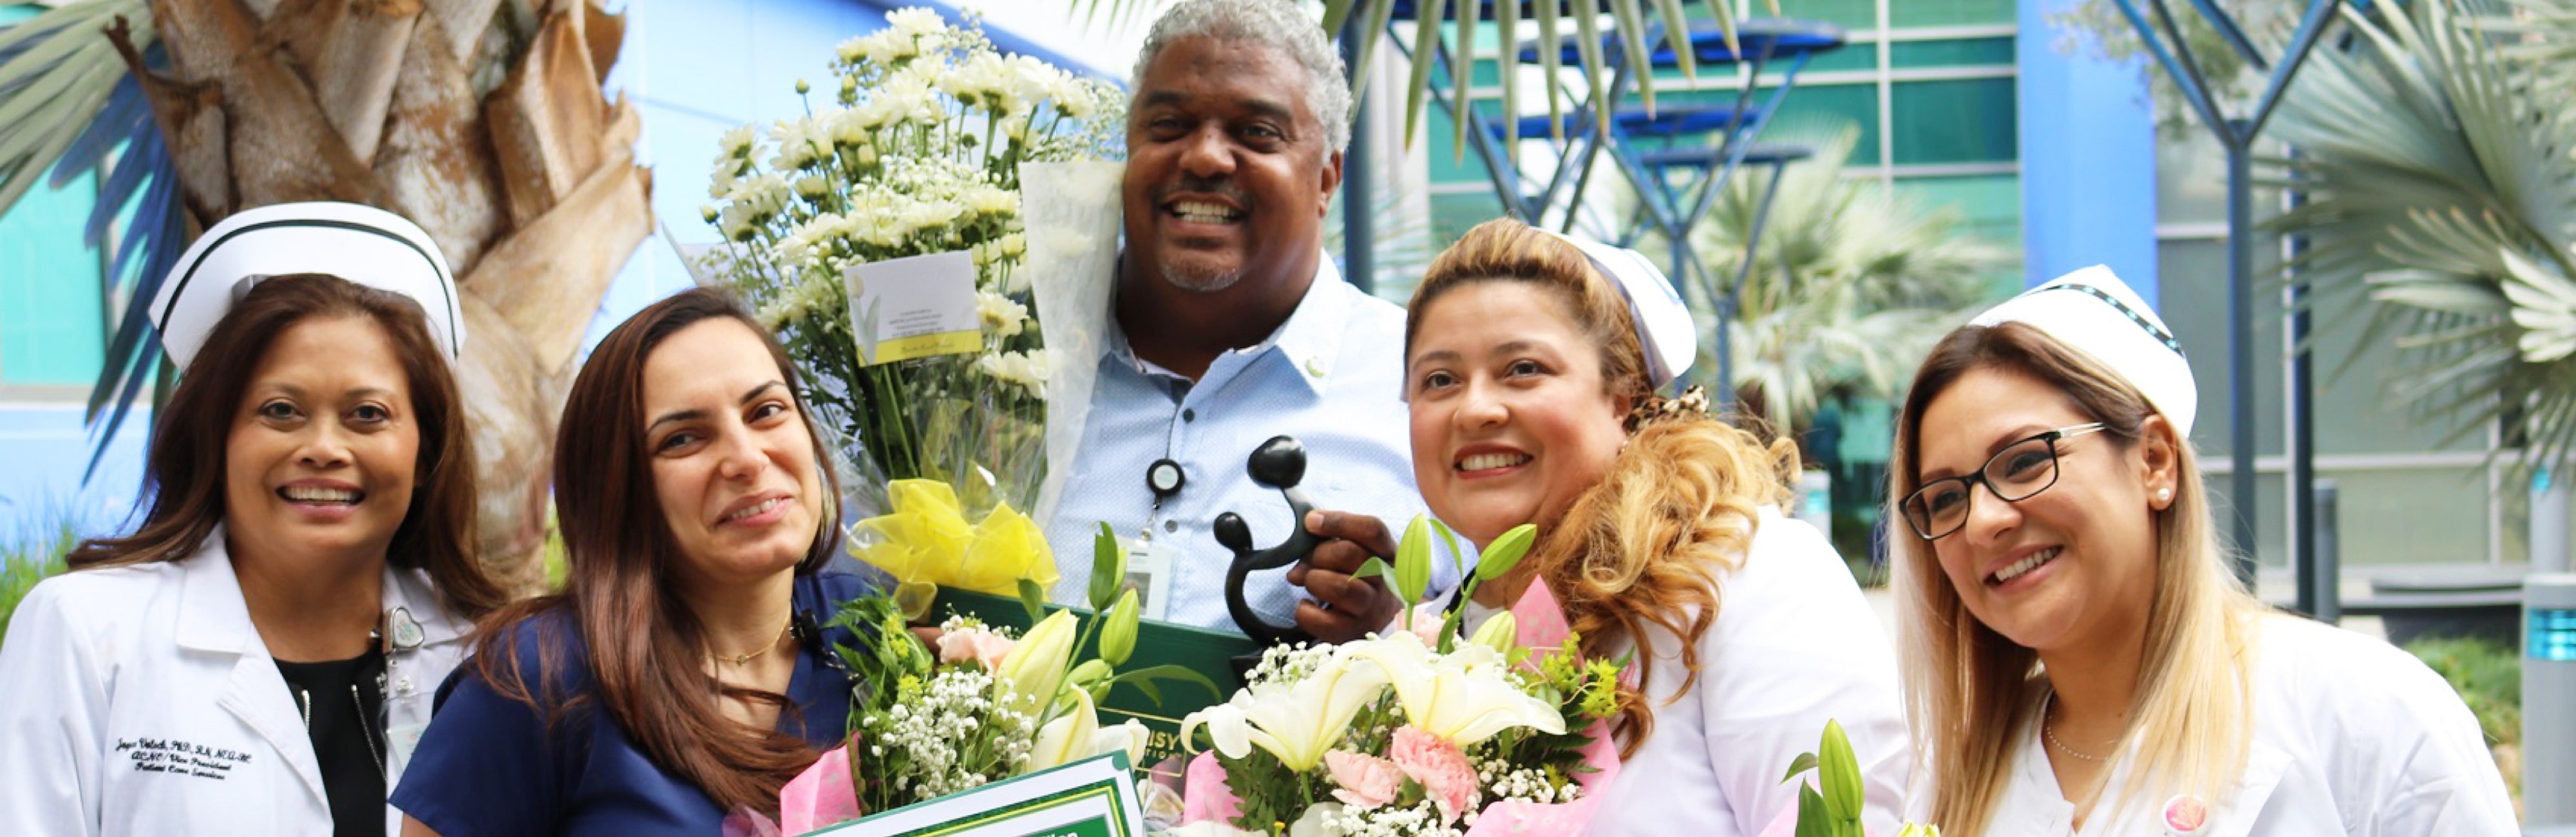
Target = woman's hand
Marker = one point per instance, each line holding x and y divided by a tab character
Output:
1349	608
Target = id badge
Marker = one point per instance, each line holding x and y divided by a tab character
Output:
400	741
1149	573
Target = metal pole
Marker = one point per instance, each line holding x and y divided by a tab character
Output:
2314	584
2549	543
1730	302
2328	543
1359	222
2240	342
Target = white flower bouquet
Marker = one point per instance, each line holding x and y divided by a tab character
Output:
922	153
1416	733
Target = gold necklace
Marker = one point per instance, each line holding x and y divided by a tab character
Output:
2048	704
739	659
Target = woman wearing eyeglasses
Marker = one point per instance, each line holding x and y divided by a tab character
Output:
2079	659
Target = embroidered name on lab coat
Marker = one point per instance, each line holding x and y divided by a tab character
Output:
180	758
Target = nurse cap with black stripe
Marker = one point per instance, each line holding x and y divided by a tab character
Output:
2093	312
1664	326
361	244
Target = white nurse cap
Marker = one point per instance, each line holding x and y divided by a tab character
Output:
361	244
1664	325
2094	312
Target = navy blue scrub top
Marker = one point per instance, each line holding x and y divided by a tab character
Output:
488	765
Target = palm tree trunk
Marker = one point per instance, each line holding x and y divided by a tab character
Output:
528	184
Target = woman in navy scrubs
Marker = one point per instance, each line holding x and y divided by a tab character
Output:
680	675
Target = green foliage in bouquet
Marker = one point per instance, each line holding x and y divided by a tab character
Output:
988	704
920	154
1835	812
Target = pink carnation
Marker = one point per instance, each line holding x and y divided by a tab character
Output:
1204	795
974	644
1443	771
1428	618
1366	781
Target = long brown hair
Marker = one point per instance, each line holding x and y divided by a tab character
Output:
184	471
644	644
1969	691
1644	546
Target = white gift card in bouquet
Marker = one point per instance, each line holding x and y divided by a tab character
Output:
913	307
1091	798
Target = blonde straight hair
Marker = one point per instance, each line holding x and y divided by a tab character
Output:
1643	547
1970	691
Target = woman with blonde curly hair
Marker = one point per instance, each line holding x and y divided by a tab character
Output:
1531	364
2080	660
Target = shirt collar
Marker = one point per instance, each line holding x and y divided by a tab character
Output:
214	617
1310	339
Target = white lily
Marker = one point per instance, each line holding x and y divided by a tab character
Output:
1296	721
1034	669
1078	735
1463	696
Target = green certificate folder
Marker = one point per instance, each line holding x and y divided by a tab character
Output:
1090	798
1210	653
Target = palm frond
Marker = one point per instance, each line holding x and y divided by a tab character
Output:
69	106
56	75
2439	187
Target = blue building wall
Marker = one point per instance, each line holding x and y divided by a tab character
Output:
2088	158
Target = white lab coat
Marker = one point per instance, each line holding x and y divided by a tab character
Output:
140	700
1794	645
2352	736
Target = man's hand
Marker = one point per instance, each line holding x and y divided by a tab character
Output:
1351	607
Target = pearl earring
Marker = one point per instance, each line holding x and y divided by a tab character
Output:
2164	495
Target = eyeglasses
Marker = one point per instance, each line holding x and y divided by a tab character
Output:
2014	474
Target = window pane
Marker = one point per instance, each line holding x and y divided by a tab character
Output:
1848	14
1951	53
1452	215
2351	378
1904	13
1834	105
2192	300
1966	121
2410	515
2191	178
1989	204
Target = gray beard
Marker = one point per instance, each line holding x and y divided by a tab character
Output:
1205	282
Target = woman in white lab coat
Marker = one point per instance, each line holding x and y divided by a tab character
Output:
1531	363
2079	658
257	657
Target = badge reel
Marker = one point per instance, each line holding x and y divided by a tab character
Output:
1149	563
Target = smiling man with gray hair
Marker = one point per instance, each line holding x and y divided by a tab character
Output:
1231	326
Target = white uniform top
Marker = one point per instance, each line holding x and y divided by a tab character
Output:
1793	646
140	700
2352	736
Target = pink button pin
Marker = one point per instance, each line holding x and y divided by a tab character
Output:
2185	816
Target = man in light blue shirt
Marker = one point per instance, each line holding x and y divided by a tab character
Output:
1230	327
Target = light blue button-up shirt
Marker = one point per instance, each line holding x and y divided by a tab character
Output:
1331	376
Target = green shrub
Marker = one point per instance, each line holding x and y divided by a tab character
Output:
23	564
2488	677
